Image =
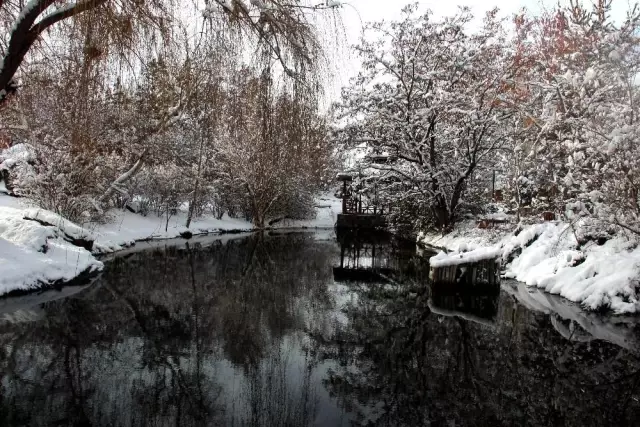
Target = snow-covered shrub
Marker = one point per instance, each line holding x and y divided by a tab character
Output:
575	129
162	188
17	167
54	178
68	184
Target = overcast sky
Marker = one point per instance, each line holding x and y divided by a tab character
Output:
363	11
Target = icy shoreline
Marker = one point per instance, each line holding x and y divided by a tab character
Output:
547	256
41	250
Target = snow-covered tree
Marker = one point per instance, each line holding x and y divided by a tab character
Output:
272	151
429	98
577	129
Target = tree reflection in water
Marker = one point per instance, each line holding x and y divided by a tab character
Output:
427	355
257	332
204	336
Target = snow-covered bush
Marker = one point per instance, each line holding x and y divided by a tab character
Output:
68	184
54	178
575	129
162	188
17	168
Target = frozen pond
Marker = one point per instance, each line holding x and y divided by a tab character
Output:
294	330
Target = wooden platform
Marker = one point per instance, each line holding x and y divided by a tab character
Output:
486	272
361	221
477	303
364	275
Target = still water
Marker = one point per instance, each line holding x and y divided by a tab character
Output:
296	330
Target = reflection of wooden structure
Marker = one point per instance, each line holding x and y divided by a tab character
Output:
365	257
358	212
485	272
478	303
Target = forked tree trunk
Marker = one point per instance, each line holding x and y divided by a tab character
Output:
122	179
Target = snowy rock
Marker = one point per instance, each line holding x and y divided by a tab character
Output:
71	232
33	255
16	167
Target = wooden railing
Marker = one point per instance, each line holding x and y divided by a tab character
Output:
351	205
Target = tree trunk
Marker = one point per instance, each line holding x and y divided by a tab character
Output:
26	31
441	214
192	204
122	179
196	185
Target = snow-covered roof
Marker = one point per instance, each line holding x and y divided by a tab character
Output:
456	258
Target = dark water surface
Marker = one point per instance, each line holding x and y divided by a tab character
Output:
294	330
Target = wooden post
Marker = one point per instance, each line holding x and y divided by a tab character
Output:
344	197
373	256
375	200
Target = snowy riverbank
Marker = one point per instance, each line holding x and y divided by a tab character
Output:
39	248
547	256
32	254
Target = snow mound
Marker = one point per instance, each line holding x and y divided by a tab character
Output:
66	227
547	256
16	170
511	245
32	255
598	277
19	153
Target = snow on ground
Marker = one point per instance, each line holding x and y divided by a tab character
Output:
66	227
327	209
32	254
547	256
467	236
444	260
125	228
33	249
597	277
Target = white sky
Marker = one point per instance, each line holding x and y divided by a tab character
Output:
358	12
